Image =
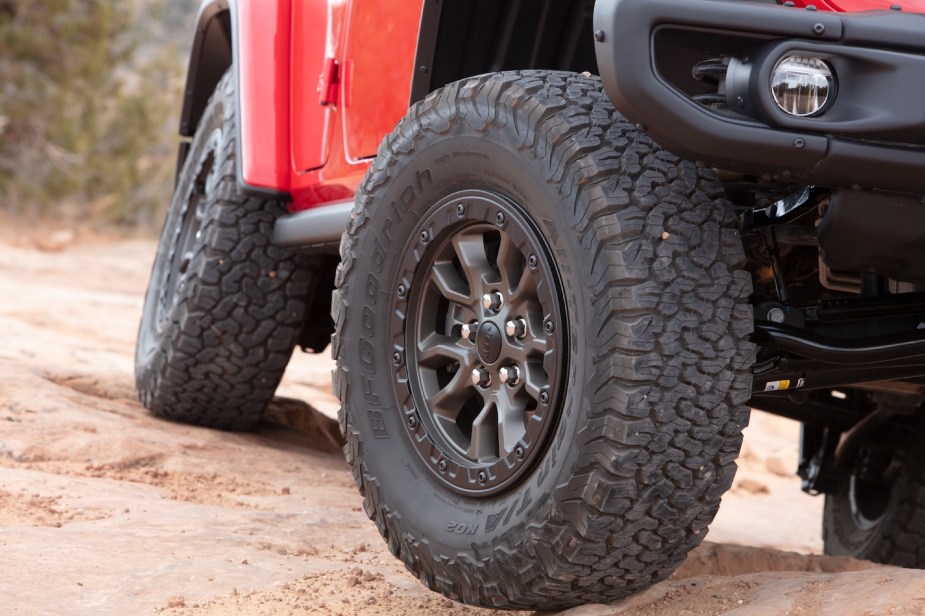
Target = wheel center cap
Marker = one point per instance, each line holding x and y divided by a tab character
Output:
488	342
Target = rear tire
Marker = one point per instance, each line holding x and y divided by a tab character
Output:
620	467
878	512
224	306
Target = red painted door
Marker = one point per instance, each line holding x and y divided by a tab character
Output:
378	66
313	40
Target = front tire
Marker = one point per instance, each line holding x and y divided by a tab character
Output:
593	474
224	306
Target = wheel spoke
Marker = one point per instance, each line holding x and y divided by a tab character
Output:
534	379
510	263
437	351
537	344
471	252
446	404
450	284
484	444
511	425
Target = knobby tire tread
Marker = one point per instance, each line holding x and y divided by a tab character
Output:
223	353
665	273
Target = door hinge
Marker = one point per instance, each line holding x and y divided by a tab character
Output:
329	82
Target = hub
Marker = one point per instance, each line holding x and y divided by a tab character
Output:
488	342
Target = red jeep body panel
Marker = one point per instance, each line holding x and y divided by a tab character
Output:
263	34
290	141
362	54
854	6
311	125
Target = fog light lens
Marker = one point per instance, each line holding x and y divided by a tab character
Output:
802	85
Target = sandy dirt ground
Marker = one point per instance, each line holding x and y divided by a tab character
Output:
106	510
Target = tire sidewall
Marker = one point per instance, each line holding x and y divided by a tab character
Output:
216	119
844	536
440	167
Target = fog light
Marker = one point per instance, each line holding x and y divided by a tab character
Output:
802	86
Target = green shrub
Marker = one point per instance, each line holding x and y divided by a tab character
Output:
87	110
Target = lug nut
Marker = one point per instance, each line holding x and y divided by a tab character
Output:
481	378
509	375
492	301
516	328
469	330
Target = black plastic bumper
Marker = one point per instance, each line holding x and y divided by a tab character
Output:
873	136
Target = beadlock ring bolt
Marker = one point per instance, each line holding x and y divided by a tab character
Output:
499	219
532	262
441	466
412	422
396	358
549	327
492	301
544	397
483	477
460	210
402	291
425	237
516	328
519	453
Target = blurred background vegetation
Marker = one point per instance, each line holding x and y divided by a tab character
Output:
90	96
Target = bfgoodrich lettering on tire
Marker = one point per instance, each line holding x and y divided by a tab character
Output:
542	345
224	306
